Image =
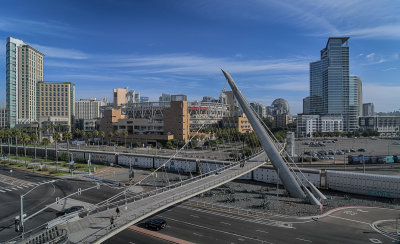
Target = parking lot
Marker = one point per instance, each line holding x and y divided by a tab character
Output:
339	148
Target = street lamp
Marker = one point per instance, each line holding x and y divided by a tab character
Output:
21	216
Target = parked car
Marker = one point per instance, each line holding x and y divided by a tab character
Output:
352	150
70	210
157	223
396	143
361	150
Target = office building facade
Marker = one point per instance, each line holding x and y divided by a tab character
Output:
119	97
333	91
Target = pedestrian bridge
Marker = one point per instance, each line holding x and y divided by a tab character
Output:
95	228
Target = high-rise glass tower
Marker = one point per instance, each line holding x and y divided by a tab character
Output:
24	68
331	92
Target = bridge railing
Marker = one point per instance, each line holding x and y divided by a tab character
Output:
120	222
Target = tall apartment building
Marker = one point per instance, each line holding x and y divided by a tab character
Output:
164	98
368	109
3	116
120	96
24	68
259	109
331	90
56	99
88	108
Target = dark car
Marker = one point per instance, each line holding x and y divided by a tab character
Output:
155	223
70	210
361	150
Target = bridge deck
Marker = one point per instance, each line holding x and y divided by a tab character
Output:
96	228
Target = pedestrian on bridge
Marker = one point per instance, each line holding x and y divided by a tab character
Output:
117	210
112	222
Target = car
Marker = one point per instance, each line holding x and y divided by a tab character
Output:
361	150
70	210
396	143
157	223
352	150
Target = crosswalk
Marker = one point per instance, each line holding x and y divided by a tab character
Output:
10	184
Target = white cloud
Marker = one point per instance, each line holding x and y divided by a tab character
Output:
31	27
192	64
55	52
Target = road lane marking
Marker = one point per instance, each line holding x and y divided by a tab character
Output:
213	229
197	234
225	223
7	189
373	240
303	240
361	222
2	191
14	189
263	231
20	187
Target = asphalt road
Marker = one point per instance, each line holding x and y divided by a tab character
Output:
199	225
14	184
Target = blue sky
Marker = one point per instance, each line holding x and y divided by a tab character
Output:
178	46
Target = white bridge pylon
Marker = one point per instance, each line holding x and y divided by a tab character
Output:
289	179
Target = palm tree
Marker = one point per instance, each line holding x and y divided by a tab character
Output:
45	143
2	136
96	134
16	133
77	133
56	138
25	138
35	138
110	135
89	135
117	134
9	136
102	135
126	134
67	136
83	134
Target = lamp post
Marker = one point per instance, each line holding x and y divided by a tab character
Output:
21	216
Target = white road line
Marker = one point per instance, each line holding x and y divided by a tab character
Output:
303	240
14	188
7	189
197	234
2	191
213	229
225	223
263	231
20	187
361	222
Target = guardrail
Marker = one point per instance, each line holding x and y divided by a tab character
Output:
165	202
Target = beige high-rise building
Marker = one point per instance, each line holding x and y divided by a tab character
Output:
120	96
56	99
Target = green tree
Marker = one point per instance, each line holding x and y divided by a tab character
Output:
126	134
102	135
117	134
110	136
56	138
16	134
45	143
77	133
2	136
34	138
67	136
9	136
95	135
25	138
